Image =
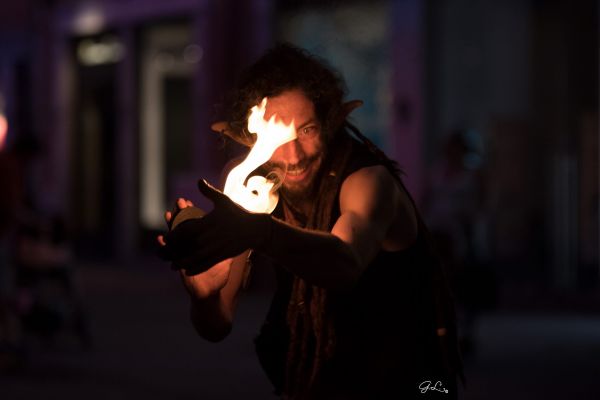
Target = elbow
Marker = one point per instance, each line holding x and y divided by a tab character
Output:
214	324
354	269
217	336
214	334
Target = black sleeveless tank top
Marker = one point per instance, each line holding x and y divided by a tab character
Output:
394	330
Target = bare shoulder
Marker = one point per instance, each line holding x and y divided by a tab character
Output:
378	196
370	184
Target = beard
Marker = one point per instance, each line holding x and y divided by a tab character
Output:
303	191
299	193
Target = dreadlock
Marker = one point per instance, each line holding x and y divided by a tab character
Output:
312	331
309	315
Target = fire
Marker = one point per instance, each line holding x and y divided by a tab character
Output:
257	195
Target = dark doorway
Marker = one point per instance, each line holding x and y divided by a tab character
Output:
177	101
93	154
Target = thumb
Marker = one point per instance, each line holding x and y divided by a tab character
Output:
209	191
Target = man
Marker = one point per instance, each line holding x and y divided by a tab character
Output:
361	309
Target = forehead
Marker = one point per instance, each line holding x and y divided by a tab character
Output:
291	104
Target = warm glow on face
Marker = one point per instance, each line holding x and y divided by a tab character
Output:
258	194
3	130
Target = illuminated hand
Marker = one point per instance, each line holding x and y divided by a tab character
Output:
197	244
207	283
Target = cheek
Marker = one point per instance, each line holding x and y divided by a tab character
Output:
308	149
277	156
313	148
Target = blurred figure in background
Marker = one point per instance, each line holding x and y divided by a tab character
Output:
454	207
49	298
38	294
12	187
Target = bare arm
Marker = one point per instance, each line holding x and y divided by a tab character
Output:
211	307
372	206
214	292
375	214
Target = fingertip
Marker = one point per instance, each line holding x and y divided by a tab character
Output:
181	203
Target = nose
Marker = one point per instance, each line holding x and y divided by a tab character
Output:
292	152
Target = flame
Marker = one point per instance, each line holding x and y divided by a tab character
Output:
3	130
257	195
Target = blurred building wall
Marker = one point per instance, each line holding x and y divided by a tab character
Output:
522	74
224	35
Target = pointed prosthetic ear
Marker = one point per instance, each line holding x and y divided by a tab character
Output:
346	109
220	127
224	128
350	106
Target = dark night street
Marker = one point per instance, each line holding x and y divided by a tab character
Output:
145	347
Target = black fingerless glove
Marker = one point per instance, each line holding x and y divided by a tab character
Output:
197	244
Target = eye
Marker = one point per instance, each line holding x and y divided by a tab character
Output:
308	130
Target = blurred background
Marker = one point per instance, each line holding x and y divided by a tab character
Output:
491	109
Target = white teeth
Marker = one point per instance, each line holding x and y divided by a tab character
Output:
296	172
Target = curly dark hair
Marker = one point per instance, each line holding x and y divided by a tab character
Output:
286	67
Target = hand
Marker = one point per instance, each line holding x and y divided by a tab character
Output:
170	216
180	204
204	284
197	244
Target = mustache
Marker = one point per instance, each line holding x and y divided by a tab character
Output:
286	167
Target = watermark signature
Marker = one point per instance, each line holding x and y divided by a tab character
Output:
426	386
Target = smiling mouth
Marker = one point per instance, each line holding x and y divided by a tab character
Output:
297	172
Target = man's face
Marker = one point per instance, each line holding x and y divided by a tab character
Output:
301	158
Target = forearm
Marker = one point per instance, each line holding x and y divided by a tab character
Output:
213	297
320	258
